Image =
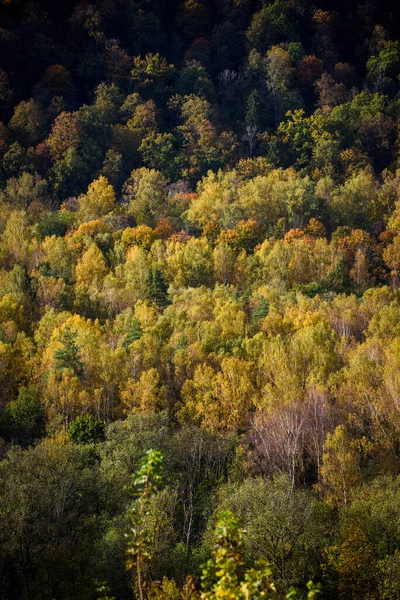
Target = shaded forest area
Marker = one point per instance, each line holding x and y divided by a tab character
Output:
200	255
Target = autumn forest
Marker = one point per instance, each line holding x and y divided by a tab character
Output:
199	300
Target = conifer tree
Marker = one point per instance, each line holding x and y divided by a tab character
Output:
68	356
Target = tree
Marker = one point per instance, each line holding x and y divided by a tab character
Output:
24	418
299	133
383	65
220	401
118	63
68	355
273	24
65	134
279	73
146	481
193	18
216	200
69	175
199	136
330	93
143	122
309	69
159	152
151	75
226	565
352	203
193	78
224	263
56	81
391	256
147	394
15	161
98	201
85	430
252	120
49	496
22	191
340	468
112	167
189	263
157	289
28	122
323	22
145	190
90	272
16	237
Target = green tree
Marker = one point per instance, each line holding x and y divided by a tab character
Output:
159	152
85	429
383	65
271	25
68	355
157	288
49	495
340	469
145	190
252	119
223	576
152	75
24	420
279	73
146	481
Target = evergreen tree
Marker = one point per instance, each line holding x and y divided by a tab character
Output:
134	333
68	356
261	310
159	289
156	288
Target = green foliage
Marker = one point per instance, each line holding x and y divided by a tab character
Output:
134	333
84	429
55	223
157	289
286	527
261	310
103	591
68	355
24	419
226	563
199	252
49	494
222	576
146	481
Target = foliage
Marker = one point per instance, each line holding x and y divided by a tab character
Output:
85	429
146	481
199	252
226	564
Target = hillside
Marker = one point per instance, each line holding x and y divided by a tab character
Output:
199	255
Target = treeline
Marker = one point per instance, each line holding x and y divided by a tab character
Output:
199	254
185	87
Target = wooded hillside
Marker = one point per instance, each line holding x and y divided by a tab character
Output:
200	255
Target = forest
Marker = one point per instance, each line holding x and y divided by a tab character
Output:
199	300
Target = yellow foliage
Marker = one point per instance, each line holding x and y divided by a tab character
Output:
98	201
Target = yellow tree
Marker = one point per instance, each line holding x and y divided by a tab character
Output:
220	401
147	394
391	256
340	469
190	263
98	201
91	270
